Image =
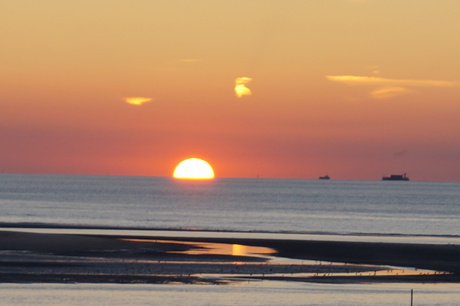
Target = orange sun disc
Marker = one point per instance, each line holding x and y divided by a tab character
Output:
193	168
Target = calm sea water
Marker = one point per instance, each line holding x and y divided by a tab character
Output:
430	211
257	293
298	206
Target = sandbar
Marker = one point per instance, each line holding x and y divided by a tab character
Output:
27	257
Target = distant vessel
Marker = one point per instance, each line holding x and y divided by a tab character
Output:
326	177
396	177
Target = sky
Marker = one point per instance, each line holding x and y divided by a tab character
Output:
355	89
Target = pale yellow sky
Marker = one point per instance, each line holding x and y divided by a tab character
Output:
353	88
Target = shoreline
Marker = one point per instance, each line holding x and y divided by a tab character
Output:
27	257
39	225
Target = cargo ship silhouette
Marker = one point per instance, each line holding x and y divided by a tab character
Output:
396	177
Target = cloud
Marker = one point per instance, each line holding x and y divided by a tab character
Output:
137	100
366	80
389	92
240	87
387	88
375	69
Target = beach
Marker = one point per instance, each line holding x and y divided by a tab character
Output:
28	257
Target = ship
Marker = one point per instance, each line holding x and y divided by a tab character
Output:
396	177
326	177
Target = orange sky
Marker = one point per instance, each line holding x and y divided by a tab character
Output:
351	88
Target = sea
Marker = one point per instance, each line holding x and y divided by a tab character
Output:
390	211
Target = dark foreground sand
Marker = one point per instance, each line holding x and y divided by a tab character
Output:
32	257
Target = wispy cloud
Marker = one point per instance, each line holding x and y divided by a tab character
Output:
389	92
374	68
387	88
240	87
137	100
366	80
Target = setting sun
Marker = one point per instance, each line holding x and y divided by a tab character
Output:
193	168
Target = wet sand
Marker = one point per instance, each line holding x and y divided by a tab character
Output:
34	257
